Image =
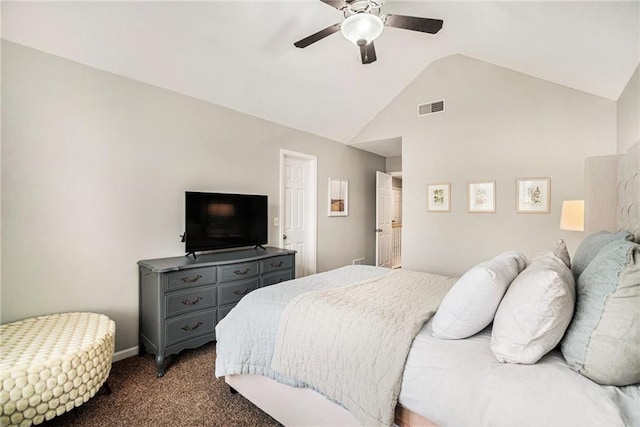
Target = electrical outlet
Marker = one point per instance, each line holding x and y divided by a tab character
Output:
276	222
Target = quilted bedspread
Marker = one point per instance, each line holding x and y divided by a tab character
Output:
247	335
351	343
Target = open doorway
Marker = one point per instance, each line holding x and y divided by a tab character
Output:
396	219
389	202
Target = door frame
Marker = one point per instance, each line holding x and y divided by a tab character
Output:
311	215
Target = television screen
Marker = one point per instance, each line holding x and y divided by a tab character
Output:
220	221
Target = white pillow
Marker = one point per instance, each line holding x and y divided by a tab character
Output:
521	260
562	252
535	311
471	303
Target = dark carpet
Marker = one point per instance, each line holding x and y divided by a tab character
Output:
188	395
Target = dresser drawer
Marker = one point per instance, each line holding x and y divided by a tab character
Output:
283	262
273	278
245	270
190	277
193	300
190	326
232	292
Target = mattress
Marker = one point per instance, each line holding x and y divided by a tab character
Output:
460	383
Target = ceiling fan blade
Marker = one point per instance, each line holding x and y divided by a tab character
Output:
425	25
317	36
367	53
338	4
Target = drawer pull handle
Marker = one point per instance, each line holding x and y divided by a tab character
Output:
273	264
192	328
276	282
191	279
246	270
246	291
191	302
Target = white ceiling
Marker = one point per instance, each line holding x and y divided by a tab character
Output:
240	54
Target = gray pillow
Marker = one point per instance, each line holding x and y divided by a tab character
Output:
603	339
590	246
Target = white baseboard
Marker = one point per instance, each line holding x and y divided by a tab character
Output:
123	354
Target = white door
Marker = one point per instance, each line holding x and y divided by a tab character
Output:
383	219
298	209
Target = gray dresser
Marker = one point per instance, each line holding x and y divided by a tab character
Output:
182	298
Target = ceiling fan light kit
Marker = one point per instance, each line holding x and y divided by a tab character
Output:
363	24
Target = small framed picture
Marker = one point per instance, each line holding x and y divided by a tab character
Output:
482	197
338	197
533	195
439	197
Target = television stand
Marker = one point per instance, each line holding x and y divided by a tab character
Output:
183	298
260	246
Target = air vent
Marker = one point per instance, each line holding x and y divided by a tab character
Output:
358	261
431	108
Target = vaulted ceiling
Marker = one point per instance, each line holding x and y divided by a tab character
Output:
240	54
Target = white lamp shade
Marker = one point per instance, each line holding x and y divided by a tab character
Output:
572	216
362	26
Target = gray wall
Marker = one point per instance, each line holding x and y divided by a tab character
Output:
629	114
94	170
498	125
394	164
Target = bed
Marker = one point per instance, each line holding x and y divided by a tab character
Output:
279	349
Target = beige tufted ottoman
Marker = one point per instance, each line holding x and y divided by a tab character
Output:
51	364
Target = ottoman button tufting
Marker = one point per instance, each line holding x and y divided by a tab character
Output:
48	365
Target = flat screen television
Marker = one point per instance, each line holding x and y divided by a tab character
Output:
222	221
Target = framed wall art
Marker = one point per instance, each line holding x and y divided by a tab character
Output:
533	195
338	197
439	197
482	197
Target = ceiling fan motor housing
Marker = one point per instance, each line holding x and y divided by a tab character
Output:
362	6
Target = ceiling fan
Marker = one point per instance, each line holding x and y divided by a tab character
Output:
363	24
